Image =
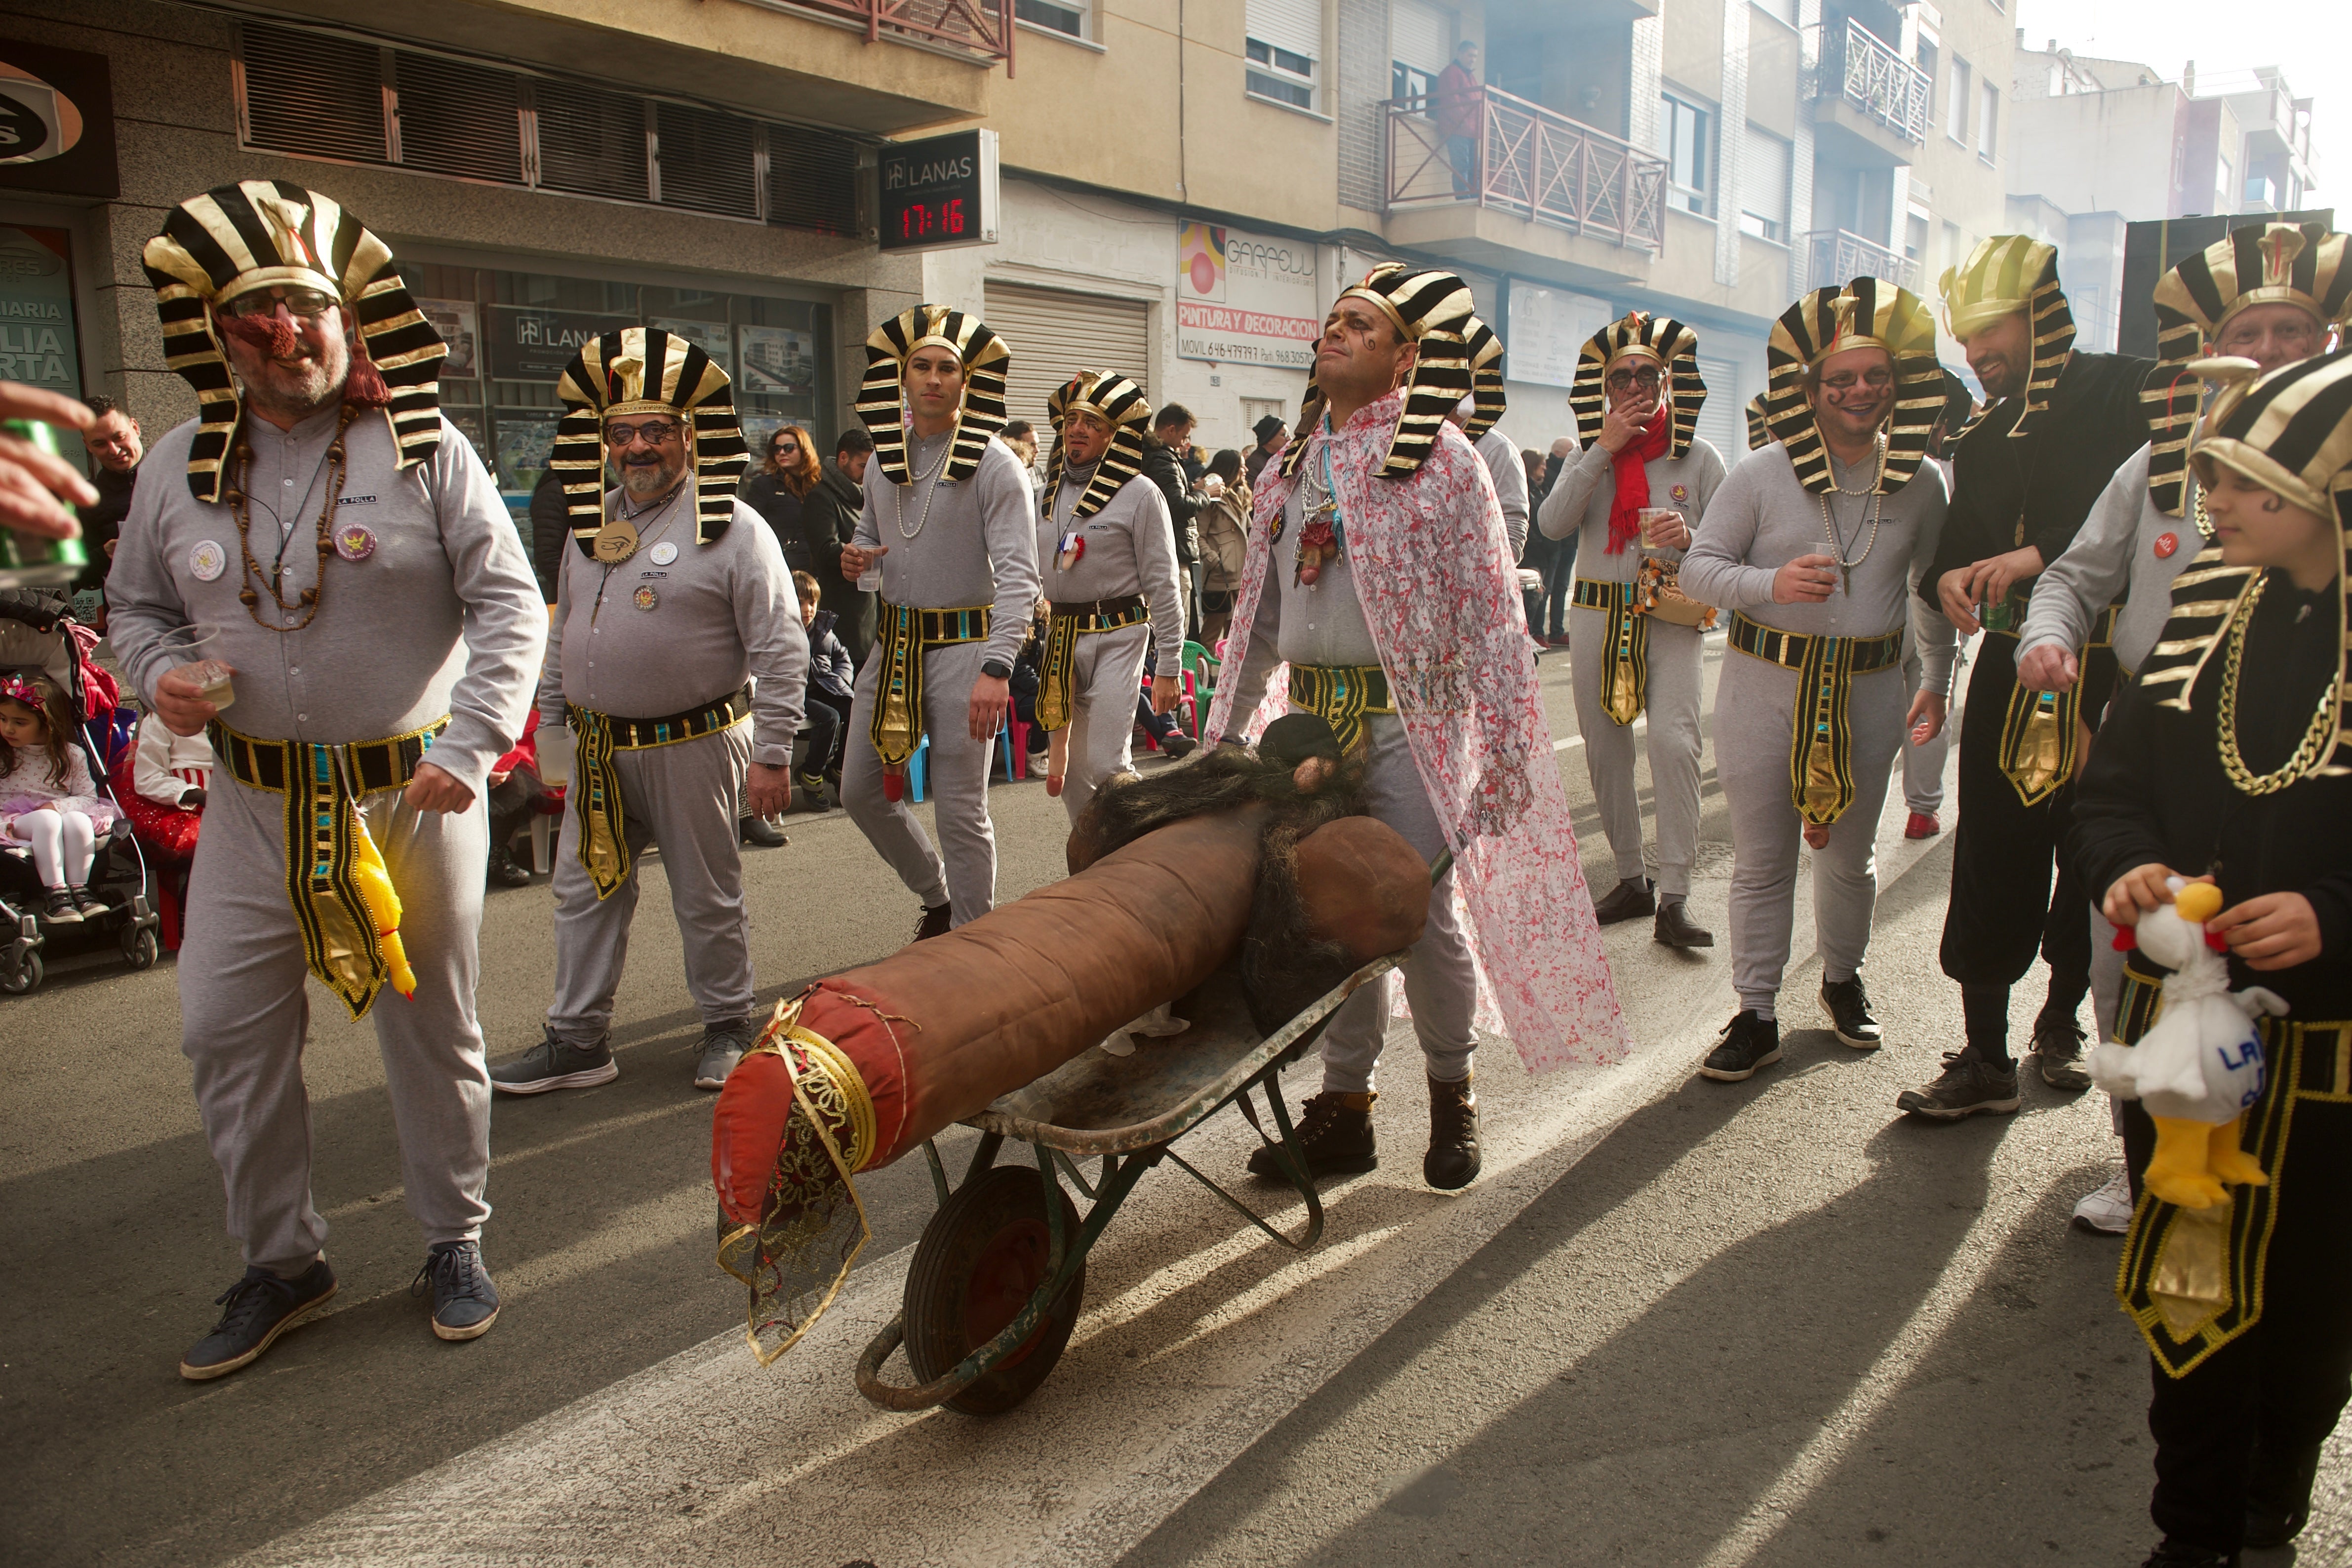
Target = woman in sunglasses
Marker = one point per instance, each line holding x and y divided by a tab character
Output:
787	474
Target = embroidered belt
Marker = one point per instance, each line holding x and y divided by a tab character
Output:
595	793
2040	733
335	878
1625	677
906	633
1821	745
1057	681
2191	1280
1343	694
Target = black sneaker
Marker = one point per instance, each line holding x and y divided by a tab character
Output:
505	871
464	1303
551	1064
813	792
259	1308
938	921
2058	1054
1334	1132
59	909
1629	899
89	903
722	1049
1177	746
2278	1496
1964	1088
1847	1007
1747	1043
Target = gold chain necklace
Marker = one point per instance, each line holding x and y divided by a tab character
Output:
1874	512
899	495
240	507
2323	722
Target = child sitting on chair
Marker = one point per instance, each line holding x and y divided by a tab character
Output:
830	678
169	775
46	799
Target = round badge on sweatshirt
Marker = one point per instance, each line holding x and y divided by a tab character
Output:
664	552
2166	543
645	598
207	561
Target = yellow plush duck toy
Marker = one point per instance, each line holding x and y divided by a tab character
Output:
2200	1065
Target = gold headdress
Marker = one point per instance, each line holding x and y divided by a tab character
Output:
2009	273
2261	264
1119	404
1458	357
1670	345
1760	435
236	238
986	362
1868	312
644	370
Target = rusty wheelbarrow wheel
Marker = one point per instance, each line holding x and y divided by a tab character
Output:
981	1260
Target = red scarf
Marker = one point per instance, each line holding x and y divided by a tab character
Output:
1631	467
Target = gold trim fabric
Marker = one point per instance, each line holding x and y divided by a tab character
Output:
1626	637
1058	675
1344	695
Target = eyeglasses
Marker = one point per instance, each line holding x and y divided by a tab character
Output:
304	304
1644	376
656	432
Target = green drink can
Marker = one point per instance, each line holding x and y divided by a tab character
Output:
24	549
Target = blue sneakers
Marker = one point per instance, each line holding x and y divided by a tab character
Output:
257	1308
464	1303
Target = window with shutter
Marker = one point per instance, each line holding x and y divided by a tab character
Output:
459	119
1721	424
1764	185
590	142
812	180
706	160
311	94
1285	42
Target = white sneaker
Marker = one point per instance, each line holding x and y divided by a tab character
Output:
2107	1211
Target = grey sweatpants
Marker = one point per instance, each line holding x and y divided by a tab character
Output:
1755	709
1441	982
1677	667
244	1016
684	798
1923	765
1109	673
956	780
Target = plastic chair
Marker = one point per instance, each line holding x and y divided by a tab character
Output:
1200	668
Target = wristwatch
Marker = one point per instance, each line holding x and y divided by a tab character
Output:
996	669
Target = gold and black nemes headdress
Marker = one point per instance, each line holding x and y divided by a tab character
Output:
2004	275
1868	312
646	371
1118	403
1456	356
881	400
236	238
1668	344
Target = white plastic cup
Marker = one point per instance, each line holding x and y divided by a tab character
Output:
1656	520
198	648
556	749
870	580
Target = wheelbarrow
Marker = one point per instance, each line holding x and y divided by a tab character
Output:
998	1276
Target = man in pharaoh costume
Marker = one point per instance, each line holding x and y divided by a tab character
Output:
2024	477
1109	555
675	623
2227	756
950	536
1379	574
1814	545
1632	497
378	628
2266	293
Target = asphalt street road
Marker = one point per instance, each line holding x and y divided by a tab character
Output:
1676	1321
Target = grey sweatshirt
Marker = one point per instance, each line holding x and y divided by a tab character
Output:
442	617
1510	477
1302	623
709	618
1587	488
2115	547
1131	548
1760	519
979	546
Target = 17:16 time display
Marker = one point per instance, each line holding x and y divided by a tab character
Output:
921	220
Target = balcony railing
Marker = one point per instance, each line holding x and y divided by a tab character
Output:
1525	159
1860	66
1834	257
983	28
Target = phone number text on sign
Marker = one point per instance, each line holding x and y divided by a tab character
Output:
1244	337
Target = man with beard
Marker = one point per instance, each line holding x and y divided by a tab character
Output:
949	531
2024	477
1109	558
674	622
382	625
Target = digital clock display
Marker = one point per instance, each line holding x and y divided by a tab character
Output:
938	191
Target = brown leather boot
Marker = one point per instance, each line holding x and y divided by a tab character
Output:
1453	1158
1334	1132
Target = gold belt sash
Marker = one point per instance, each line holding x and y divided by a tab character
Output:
595	793
1057	681
2040	736
906	632
1821	744
335	878
1343	694
1625	643
2191	1280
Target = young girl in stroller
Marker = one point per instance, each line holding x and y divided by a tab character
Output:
47	800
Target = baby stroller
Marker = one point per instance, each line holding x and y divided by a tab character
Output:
38	632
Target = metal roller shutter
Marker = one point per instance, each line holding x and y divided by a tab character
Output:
1293	25
1054	335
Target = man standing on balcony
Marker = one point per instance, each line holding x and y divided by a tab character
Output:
2024	477
1459	106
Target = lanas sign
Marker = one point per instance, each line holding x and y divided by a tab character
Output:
938	192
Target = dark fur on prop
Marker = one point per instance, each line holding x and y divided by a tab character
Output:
1296	769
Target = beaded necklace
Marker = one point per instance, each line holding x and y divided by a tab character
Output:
240	507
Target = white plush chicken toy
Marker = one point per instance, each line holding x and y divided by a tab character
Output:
2200	1065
